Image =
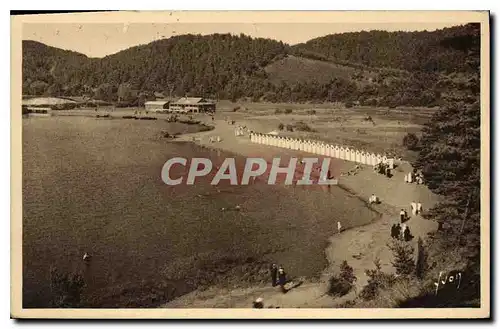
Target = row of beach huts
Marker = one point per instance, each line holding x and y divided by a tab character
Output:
322	148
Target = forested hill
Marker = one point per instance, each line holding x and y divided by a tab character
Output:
442	50
225	66
46	69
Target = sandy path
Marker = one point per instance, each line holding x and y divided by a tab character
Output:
360	246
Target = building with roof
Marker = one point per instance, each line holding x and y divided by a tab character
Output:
37	111
193	104
156	105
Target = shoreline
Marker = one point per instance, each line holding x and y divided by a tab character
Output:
365	243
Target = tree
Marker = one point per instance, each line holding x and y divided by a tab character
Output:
38	87
403	257
347	272
421	266
410	141
105	92
124	92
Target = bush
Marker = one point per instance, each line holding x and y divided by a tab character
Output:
288	111
349	104
342	284
311	112
403	257
338	287
289	128
411	141
302	126
236	108
281	126
278	111
377	280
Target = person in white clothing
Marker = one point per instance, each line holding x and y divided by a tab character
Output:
419	208
410	177
402	215
403	228
373	199
413	208
339	227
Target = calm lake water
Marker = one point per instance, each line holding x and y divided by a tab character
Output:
94	185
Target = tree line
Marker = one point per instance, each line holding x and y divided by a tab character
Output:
225	66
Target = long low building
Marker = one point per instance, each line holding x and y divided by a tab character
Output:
193	104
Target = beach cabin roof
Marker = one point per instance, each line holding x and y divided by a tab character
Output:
160	103
191	101
46	101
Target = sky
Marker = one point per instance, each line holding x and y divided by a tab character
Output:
102	39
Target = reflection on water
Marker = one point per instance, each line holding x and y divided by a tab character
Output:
94	185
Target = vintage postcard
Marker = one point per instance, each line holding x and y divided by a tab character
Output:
175	165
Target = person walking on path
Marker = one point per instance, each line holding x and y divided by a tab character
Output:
274	274
339	227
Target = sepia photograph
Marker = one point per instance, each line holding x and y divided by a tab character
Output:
178	164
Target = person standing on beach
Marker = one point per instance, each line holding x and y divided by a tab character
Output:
402	215
419	208
274	274
402	231
339	227
397	231
413	208
282	279
406	234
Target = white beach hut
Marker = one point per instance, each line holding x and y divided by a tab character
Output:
363	158
342	153
357	156
336	152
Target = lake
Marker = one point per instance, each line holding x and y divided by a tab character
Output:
94	185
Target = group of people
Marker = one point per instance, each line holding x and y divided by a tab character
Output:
416	208
414	176
401	232
278	277
213	139
240	130
383	169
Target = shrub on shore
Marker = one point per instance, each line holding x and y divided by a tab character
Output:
302	126
411	141
377	281
343	283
